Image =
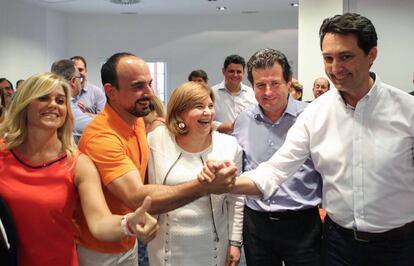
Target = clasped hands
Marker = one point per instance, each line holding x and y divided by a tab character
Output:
219	176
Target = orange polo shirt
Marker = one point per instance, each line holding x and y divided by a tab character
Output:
116	149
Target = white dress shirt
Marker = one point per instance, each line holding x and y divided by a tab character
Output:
364	154
229	106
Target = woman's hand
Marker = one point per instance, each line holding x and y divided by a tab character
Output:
143	225
233	256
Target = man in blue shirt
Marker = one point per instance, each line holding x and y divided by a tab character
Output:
67	70
287	227
91	99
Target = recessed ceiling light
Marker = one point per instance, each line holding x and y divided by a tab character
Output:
294	4
221	8
56	1
248	12
125	2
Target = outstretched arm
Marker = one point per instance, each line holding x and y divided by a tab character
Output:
102	224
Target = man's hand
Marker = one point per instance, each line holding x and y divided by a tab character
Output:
226	128
218	176
82	106
142	224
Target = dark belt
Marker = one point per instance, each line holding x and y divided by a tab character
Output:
393	234
285	215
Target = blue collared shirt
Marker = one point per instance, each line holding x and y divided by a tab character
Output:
93	98
81	120
260	138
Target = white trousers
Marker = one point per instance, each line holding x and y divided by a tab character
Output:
88	257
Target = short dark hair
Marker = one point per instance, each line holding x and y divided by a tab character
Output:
234	59
199	73
64	68
108	69
79	57
266	58
351	23
5	79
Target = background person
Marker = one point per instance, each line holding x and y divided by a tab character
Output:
156	117
296	89
7	87
198	76
320	86
91	99
231	95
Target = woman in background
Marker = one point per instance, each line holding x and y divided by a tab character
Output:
296	90
42	174
207	231
2	105
157	115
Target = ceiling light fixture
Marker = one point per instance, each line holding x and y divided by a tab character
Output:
294	4
249	12
125	2
221	8
56	1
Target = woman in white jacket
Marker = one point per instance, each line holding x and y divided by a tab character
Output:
207	231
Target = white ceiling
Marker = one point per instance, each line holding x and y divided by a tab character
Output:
169	7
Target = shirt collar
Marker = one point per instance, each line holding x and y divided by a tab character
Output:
116	120
291	109
222	86
372	93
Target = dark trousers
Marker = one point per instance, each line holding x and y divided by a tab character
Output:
341	248
292	237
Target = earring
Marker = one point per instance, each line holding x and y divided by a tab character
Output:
181	125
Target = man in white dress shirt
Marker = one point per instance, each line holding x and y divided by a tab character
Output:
360	138
232	96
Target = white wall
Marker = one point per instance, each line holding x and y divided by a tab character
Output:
185	43
394	23
311	15
30	37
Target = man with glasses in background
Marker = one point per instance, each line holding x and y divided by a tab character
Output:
91	99
67	70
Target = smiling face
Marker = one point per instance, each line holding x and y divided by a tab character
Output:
200	117
131	97
8	91
233	75
346	64
48	111
320	86
82	70
271	90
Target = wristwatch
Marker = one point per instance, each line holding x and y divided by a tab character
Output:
236	243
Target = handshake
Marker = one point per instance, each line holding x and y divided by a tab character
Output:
218	176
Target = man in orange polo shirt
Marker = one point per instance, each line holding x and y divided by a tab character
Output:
115	140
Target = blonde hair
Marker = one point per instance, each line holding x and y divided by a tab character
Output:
157	106
14	127
296	85
183	98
